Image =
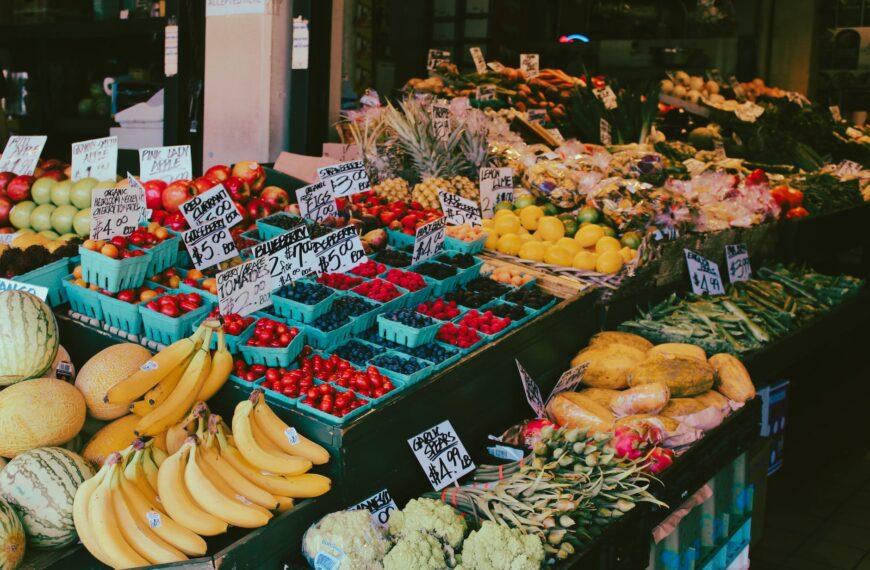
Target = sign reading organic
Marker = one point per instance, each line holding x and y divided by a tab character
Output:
115	212
316	201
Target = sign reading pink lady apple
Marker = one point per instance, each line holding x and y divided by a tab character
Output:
166	163
21	154
96	158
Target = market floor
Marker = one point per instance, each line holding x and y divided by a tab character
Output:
818	504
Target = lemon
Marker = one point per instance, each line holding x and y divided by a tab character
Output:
551	228
627	254
609	262
527	237
510	244
486	222
585	260
491	241
507	225
530	215
524	232
533	251
558	256
607	243
500	213
572	246
630	239
608	231
589	234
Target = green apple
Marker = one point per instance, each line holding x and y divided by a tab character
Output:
62	218
82	222
40	217
80	194
20	214
52	235
22	231
41	190
60	193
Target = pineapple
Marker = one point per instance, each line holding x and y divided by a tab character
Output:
393	189
465	187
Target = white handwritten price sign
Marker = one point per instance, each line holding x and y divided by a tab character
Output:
478	59
97	158
536	115
214	204
346	179
485	92
703	274
136	186
290	255
8	238
166	163
437	57
338	251
245	288
210	244
115	211
835	113
604	132
441	119
441	455
848	168
316	201
495	66
569	380
429	240
380	505
21	154
606	96
10	285
530	63
739	268
459	210
532	391
496	185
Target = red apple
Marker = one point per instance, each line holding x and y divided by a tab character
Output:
55	174
5	207
176	194
175	221
252	173
219	172
8	230
277	198
243	211
258	209
18	188
203	184
238	189
5	178
153	191
159	216
67	171
293	209
51	164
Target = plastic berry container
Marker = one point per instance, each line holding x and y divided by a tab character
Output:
407	335
121	315
84	301
269	356
330	418
114	274
165	329
299	311
422	373
51	277
440	286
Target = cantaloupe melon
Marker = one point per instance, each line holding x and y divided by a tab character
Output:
114	437
104	370
12	541
28	337
37	413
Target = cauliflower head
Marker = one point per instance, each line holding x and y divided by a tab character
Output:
417	550
429	515
348	538
497	547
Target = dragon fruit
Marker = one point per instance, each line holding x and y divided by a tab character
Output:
659	459
627	442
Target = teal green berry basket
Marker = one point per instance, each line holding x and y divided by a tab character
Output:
406	379
302	312
329	418
162	255
113	274
165	329
267	356
268	230
399	239
51	277
328	340
453	244
405	335
83	300
121	315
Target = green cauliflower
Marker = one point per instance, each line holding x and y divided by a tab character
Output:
496	547
418	550
347	538
429	515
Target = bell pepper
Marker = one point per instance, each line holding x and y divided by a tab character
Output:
780	196
757	176
799	212
795	198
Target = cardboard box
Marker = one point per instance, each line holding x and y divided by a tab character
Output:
301	166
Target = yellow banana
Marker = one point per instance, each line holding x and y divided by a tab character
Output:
221	366
178	503
158	394
210	499
135	474
284	504
153	371
282	435
299	486
149	468
101	514
84	527
239	484
137	532
280	464
163	525
182	398
157	454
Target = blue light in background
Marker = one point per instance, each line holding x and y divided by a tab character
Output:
573	38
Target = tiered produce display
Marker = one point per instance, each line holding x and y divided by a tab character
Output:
197	430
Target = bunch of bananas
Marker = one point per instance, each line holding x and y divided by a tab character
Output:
145	507
166	387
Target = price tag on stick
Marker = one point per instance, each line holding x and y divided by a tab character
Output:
290	255
214	204
21	154
429	240
346	179
459	210
115	211
210	244
533	392
441	119
380	505
496	185
737	257
441	455
605	132
166	163
97	158
703	274
530	63
606	96
486	92
436	58
245	288
569	380
316	201
144	212
478	59
338	251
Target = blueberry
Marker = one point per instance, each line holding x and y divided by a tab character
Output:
358	352
406	366
353	306
330	321
433	352
410	317
303	292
